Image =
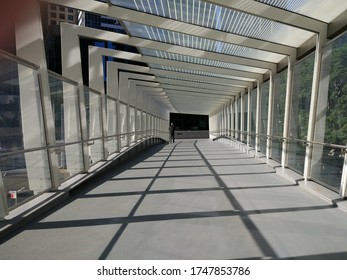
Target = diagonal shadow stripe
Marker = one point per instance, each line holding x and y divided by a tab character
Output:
121	230
189	190
253	230
172	216
189	176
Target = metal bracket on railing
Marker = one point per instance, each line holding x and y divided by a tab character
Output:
89	143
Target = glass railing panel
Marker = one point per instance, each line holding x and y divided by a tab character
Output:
18	86
263	143
327	165
296	155
22	180
132	124
65	107
93	108
66	154
15	179
138	124
144	124
24	163
276	152
123	117
111	126
244	135
253	140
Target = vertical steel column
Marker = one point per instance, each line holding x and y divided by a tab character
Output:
242	96
249	121
103	124
3	199
30	46
343	186
289	91
74	108
257	119
96	81
269	117
138	121
313	108
232	117
128	113
236	118
228	118
113	114
225	119
222	120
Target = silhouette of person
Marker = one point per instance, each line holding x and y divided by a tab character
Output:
172	132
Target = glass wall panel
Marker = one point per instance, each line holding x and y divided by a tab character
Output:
138	124
123	117
280	85
233	106
253	116
64	98
94	125
264	108
23	174
132	124
151	125
15	178
245	118
112	142
144	124
300	110
238	119
11	131
331	124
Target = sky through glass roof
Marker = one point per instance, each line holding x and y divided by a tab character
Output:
180	39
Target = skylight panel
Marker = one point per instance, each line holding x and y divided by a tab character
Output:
216	17
199	60
322	10
185	40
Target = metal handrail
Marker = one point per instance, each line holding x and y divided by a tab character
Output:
61	78
59	145
19	60
287	138
92	90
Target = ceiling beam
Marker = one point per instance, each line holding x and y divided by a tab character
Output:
172	25
273	13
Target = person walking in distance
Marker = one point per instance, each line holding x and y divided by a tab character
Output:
172	132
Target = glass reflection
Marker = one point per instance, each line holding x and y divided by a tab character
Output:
253	116
300	109
280	84
331	126
264	108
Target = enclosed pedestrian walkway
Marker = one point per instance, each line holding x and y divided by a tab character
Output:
194	199
88	89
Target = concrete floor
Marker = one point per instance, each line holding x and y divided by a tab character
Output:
187	200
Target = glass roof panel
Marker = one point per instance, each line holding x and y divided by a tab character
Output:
322	10
175	38
216	17
183	79
197	72
199	60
